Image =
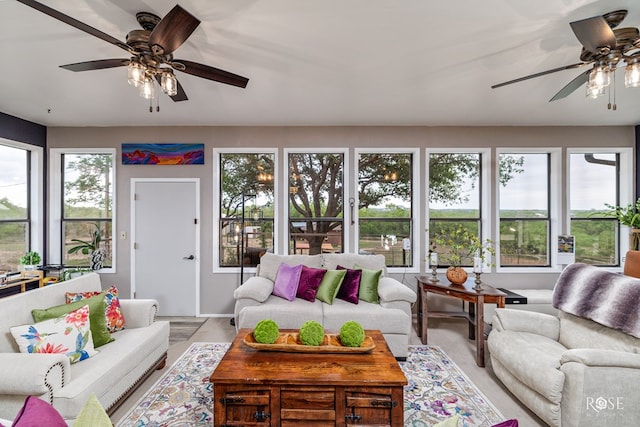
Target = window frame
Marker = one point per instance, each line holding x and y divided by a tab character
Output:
35	195
56	199
216	192
346	193
414	205
554	200
626	180
484	219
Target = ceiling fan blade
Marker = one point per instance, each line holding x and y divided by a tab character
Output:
96	65
180	96
76	24
594	34
572	86
172	30
542	73
211	73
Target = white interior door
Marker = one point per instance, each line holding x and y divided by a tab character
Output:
165	249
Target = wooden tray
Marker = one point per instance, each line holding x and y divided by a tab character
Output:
290	342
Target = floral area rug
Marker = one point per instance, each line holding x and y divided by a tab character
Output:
437	389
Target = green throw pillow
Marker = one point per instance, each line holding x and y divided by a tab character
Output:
369	285
92	414
97	319
330	285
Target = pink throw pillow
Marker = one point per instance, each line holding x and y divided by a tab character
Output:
310	279
287	279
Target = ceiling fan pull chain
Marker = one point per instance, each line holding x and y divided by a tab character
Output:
151	105
614	91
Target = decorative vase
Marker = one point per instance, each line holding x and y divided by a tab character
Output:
634	239
96	259
456	275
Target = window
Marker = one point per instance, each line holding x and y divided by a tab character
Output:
316	202
385	208
525	209
455	195
83	183
15	209
594	183
246	219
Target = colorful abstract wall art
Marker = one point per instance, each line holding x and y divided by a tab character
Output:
162	154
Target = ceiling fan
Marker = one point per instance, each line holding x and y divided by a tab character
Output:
151	52
603	47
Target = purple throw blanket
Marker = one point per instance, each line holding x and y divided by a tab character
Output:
610	299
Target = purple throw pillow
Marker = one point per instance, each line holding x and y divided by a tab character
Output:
37	412
310	280
350	285
509	423
287	280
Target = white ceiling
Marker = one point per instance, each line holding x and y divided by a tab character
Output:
317	62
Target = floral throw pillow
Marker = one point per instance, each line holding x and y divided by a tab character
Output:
113	313
69	334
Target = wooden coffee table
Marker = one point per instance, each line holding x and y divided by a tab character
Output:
272	388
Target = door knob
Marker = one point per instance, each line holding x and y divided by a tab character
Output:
188	257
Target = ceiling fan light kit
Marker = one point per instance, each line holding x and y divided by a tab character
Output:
151	50
605	48
632	73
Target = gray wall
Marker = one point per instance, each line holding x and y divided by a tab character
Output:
217	289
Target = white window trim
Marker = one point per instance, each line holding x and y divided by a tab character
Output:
415	206
554	208
283	247
485	196
626	189
55	196
36	195
217	152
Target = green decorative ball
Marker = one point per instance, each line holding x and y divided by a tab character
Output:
266	331
311	333
351	334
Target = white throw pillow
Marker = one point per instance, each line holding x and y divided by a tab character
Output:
69	334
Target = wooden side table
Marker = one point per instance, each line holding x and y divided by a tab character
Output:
465	293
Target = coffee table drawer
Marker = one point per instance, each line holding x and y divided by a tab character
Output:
315	406
247	406
307	398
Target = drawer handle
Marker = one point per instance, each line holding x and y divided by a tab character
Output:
261	416
231	400
353	417
384	403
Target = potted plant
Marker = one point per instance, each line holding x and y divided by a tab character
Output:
30	260
90	247
630	216
460	247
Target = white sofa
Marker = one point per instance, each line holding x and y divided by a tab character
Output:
112	374
392	316
579	368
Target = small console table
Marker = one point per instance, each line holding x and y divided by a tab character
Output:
466	293
27	280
